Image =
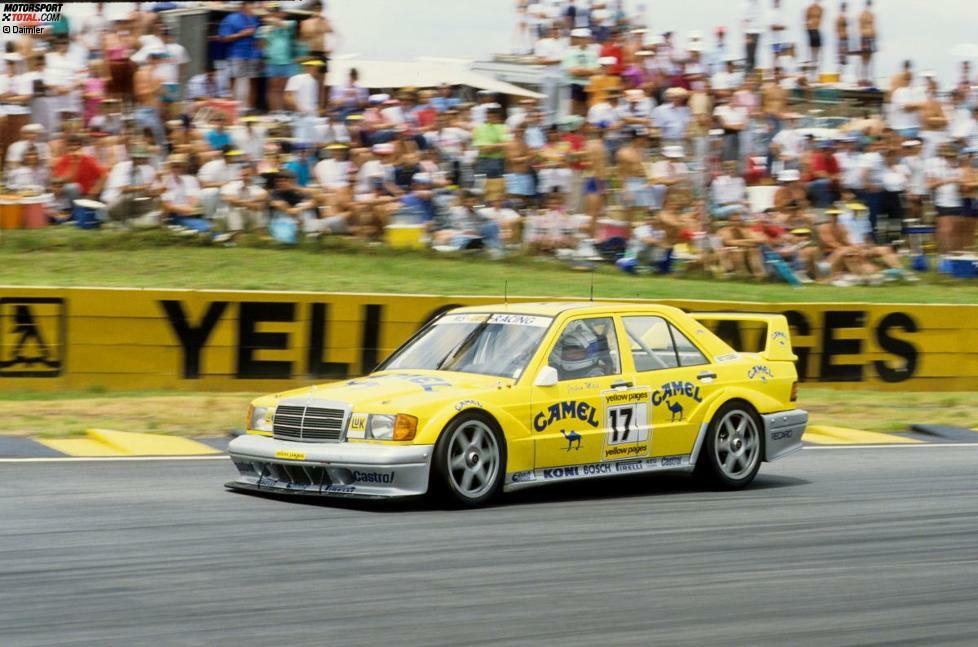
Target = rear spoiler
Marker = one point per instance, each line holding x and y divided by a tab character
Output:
777	336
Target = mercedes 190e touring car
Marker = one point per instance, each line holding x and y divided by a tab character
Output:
489	399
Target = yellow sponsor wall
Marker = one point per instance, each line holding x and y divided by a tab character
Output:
82	338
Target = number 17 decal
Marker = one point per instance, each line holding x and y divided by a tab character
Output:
626	421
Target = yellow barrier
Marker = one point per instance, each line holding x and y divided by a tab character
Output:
79	338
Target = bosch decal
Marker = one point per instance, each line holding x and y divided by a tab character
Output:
781	435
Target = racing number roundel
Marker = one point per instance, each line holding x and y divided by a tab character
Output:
626	421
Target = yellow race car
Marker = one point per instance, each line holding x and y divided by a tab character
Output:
504	397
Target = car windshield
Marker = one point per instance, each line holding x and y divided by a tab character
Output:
488	344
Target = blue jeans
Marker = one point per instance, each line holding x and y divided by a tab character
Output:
148	117
821	193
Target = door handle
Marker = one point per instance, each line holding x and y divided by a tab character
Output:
621	384
706	375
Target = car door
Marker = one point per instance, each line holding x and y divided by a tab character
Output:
678	377
567	416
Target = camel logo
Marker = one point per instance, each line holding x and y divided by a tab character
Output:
572	437
32	337
676	409
780	336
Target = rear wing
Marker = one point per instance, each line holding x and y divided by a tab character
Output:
772	332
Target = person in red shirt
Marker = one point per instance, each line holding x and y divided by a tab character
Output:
612	47
823	183
78	169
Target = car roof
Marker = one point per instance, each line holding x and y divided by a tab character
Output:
556	308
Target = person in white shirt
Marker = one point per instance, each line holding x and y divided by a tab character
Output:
333	173
249	137
727	79
212	176
605	113
787	146
507	219
779	28
752	25
30	137
667	173
917	189
944	177
131	190
181	196
636	111
244	202
302	94
733	119
905	105
728	192
550	50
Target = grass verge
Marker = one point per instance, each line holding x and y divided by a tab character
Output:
68	257
210	414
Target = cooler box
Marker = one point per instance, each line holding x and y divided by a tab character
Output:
35	211
960	267
11	214
405	236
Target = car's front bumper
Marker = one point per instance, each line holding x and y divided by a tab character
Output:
329	469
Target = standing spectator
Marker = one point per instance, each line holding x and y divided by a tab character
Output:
752	25
733	120
520	183
933	120
580	64
670	174
813	25
867	44
238	32
147	87
302	94
315	33
944	176
906	102
277	38
728	192
779	30
672	117
824	176
490	140
969	192
842	39
350	96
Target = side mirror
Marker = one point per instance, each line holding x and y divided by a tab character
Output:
546	377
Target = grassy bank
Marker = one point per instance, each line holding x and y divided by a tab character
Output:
210	414
67	257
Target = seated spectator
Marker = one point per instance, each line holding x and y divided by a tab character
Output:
292	210
212	176
728	192
31	173
79	174
219	137
742	246
508	221
552	229
30	137
244	202
131	191
181	196
824	176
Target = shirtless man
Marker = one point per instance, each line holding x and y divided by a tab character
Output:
634	176
867	43
313	33
842	37
774	101
147	88
519	160
813	24
596	172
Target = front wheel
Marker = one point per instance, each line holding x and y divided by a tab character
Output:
470	460
731	455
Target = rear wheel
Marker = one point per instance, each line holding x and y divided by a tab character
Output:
731	455
470	460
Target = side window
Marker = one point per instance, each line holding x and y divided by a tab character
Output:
586	348
650	342
689	354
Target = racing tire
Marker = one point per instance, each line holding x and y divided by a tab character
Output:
733	447
469	463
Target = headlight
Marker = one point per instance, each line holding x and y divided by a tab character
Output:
385	427
258	419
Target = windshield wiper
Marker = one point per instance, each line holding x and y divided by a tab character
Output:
462	345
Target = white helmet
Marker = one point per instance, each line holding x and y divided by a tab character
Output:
576	352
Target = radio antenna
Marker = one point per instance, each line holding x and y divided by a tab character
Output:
592	286
506	292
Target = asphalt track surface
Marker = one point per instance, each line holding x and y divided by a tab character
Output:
829	547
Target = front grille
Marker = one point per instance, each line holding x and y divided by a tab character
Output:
308	423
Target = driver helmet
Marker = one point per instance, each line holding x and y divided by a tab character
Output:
577	353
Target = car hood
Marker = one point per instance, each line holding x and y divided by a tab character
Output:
397	391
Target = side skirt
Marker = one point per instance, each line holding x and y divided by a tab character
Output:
529	478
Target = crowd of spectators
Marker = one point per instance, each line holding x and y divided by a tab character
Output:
651	163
